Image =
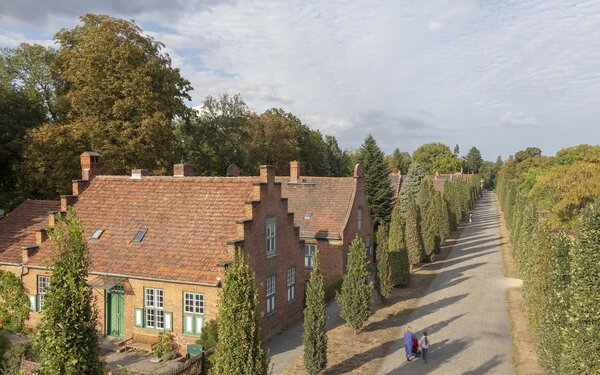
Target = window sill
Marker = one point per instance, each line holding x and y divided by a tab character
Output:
270	313
292	301
271	255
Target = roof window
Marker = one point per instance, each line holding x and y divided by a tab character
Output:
307	214
139	236
97	234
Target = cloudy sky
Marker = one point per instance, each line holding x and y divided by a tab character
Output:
498	75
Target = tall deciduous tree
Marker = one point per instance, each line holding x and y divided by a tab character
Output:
376	180
473	160
355	296
399	161
240	348
14	309
436	157
385	282
66	340
314	337
583	328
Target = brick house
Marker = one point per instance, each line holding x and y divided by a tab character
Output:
159	247
331	212
396	180
439	179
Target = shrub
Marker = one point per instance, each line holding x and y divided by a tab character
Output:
210	335
164	347
14	305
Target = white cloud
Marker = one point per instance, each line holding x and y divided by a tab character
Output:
434	26
517	119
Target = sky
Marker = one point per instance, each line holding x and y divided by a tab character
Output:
497	75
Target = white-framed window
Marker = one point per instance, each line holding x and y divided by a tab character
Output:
368	246
42	289
193	313
291	284
271	237
359	218
271	294
309	252
154	303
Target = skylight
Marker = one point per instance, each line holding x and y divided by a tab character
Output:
97	234
139	236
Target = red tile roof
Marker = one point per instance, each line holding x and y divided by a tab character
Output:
188	220
17	229
328	199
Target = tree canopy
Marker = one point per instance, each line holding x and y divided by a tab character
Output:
436	157
473	160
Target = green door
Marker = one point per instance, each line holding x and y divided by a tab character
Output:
115	313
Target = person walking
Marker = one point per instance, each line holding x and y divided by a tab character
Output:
409	338
424	346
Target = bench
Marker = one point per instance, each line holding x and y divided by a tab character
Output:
141	342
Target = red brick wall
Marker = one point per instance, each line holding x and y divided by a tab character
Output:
290	253
331	256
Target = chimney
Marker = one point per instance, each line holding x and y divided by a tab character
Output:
40	236
139	173
52	218
296	170
67	200
267	174
27	252
358	172
182	170
90	165
233	171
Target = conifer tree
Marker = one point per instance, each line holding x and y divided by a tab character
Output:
355	296
414	242
314	337
442	218
429	223
384	266
66	340
376	180
582	341
397	249
410	187
556	307
240	348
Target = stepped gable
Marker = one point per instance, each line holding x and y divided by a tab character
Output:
18	228
326	200
188	221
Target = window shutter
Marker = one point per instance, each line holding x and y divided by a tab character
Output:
168	321
33	302
188	324
139	317
199	324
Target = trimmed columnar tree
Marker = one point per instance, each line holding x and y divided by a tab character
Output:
552	333
66	340
385	282
240	349
582	341
429	224
14	304
314	337
376	180
414	241
355	296
410	187
397	249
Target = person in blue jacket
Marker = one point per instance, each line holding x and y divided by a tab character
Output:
409	338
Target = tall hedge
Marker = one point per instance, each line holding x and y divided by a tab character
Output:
385	282
314	336
582	340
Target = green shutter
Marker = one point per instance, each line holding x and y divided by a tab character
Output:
139	317
33	302
168	316
188	324
199	323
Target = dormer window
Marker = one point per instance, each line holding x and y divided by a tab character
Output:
139	236
97	234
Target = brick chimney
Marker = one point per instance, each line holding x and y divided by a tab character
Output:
40	236
27	252
267	174
90	165
182	170
139	173
296	170
233	171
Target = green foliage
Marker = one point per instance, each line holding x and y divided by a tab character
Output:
398	161
240	349
164	347
11	357
414	239
529	152
66	339
385	281
376	181
336	161
314	337
473	160
410	187
551	336
436	157
14	304
583	329
398	255
333	285
209	337
429	221
443	221
355	297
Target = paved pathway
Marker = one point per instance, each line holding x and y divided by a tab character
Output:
465	311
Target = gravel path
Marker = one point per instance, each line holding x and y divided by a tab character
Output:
464	311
